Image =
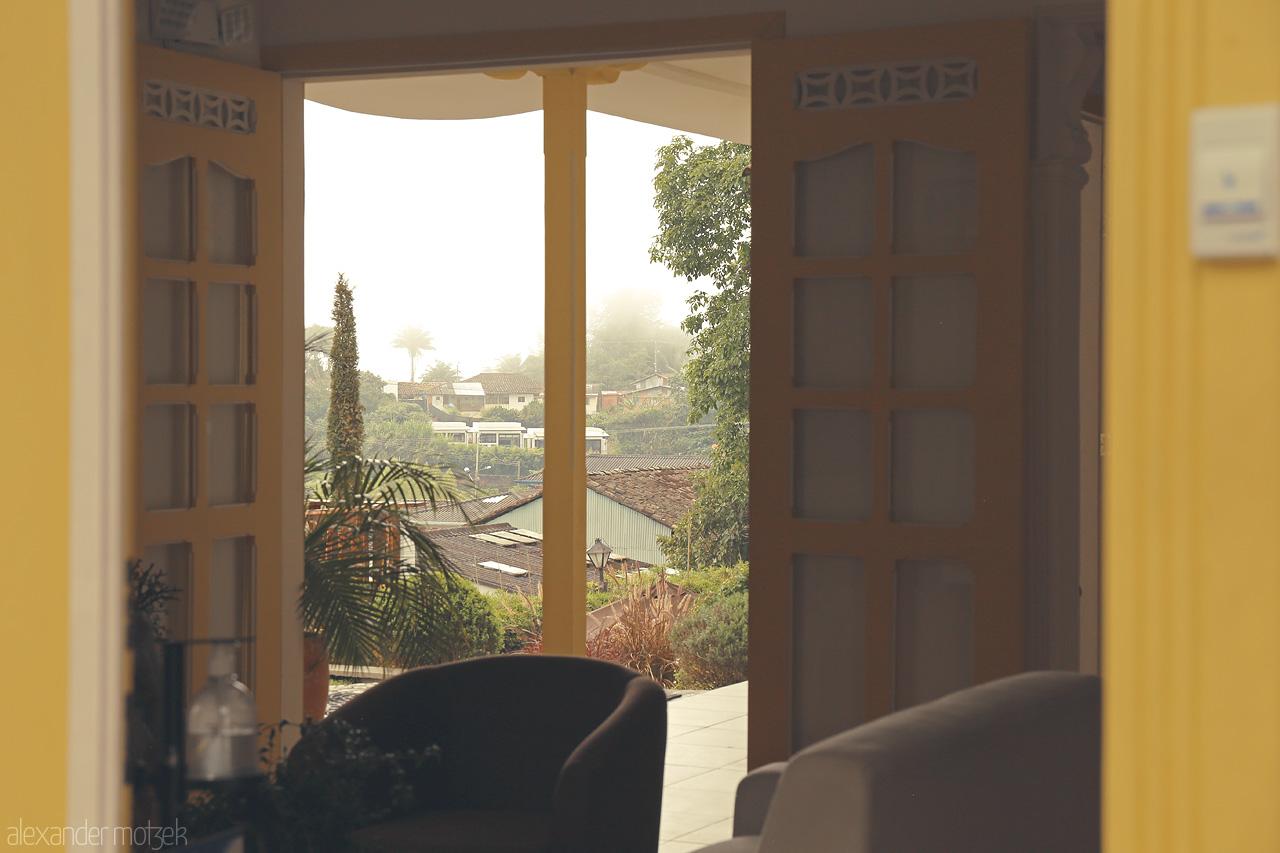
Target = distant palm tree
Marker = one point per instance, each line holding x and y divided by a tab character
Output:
416	340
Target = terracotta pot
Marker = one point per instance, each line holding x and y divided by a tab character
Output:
315	677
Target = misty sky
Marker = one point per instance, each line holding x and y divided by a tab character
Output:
439	224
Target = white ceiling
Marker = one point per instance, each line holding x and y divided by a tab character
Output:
710	95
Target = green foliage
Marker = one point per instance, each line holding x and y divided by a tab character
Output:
534	414
372	397
661	429
597	598
501	415
715	531
467	621
715	581
711	643
521	618
535	365
441	371
509	363
704	213
345	435
414	340
335	781
358	589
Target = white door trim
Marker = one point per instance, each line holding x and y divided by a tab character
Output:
98	42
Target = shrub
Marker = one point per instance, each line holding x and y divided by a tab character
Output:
711	643
468	625
641	638
520	616
714	580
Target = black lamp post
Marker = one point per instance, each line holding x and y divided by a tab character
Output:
598	554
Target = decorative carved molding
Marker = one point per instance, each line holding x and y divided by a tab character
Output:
202	107
882	84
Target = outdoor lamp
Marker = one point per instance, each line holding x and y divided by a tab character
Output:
598	554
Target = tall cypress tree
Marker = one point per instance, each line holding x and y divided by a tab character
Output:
346	416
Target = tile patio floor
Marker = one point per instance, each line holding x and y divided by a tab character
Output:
706	757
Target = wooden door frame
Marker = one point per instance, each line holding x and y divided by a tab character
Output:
553	46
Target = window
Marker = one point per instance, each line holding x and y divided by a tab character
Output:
593	445
520	399
509	439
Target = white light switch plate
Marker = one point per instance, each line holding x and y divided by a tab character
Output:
1235	181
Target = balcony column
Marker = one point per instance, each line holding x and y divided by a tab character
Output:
564	478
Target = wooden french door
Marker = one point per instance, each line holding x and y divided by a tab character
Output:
208	354
887	373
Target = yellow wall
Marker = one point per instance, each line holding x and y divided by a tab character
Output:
1192	599
34	429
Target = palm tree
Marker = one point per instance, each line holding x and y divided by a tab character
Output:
416	340
368	595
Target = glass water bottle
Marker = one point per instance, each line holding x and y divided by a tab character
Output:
222	726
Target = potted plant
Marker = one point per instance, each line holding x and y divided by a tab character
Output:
370	574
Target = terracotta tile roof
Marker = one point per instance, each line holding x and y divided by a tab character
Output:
474	511
507	383
665	494
598	464
411	390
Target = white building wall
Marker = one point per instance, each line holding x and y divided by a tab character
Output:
626	531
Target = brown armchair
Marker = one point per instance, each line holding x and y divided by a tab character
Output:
538	753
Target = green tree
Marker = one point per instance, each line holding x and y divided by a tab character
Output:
345	436
372	397
501	415
441	371
626	340
535	363
534	414
415	340
663	429
703	199
509	363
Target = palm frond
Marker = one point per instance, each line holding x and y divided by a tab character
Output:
371	574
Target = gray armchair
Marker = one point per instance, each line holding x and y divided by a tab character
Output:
538	753
1006	767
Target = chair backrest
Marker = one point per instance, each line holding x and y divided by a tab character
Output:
1012	765
505	725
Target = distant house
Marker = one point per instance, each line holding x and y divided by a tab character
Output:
466	397
510	390
496	434
628	510
651	390
452	430
597	439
